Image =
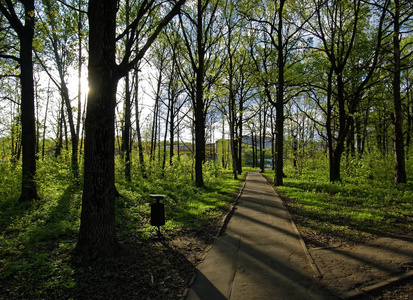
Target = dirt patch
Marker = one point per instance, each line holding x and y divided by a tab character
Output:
152	269
352	267
347	268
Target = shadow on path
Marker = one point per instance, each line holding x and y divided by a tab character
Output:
259	256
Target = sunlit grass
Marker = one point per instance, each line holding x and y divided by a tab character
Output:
351	210
37	238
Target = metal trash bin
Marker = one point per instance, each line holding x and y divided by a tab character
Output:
157	213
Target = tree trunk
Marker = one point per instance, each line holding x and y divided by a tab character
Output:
199	103
199	144
400	165
156	116
126	130
239	139
165	137
138	127
273	139
29	190
279	160
44	122
171	135
97	228
336	152
253	149
79	83
231	121
59	137
262	139
126	139
64	92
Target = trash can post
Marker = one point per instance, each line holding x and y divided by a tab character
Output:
157	213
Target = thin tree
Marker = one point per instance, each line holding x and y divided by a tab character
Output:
401	14
60	46
339	46
199	30
24	27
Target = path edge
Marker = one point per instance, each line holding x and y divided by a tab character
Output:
224	221
353	294
375	287
317	273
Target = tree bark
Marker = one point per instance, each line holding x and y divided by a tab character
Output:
126	131
97	230
399	157
138	127
279	161
199	103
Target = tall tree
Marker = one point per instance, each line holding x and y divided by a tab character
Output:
24	26
338	26
97	228
281	26
127	112
62	40
401	16
236	81
201	37
137	123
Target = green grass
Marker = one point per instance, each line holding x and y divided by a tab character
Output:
37	238
351	210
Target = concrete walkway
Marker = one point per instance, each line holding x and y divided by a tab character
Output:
259	256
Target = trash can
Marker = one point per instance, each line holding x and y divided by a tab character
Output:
157	212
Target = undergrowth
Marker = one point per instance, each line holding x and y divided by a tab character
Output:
366	203
37	238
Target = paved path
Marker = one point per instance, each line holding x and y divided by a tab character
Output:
259	256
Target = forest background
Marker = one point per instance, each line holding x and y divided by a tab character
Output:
103	104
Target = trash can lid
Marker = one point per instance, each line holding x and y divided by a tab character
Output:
156	196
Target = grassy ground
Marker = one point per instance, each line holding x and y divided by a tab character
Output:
37	238
351	210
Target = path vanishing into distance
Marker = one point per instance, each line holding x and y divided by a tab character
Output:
260	254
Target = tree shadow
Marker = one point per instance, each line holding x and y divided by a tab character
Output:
149	269
10	211
319	218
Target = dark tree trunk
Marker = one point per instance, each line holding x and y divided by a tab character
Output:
199	103
273	139
329	129
232	127
399	157
171	135
239	139
126	139
337	151
79	74
44	123
199	144
165	137
97	229
155	117
253	148
256	151
59	137
64	92
126	131
138	127
279	161
26	33
262	139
